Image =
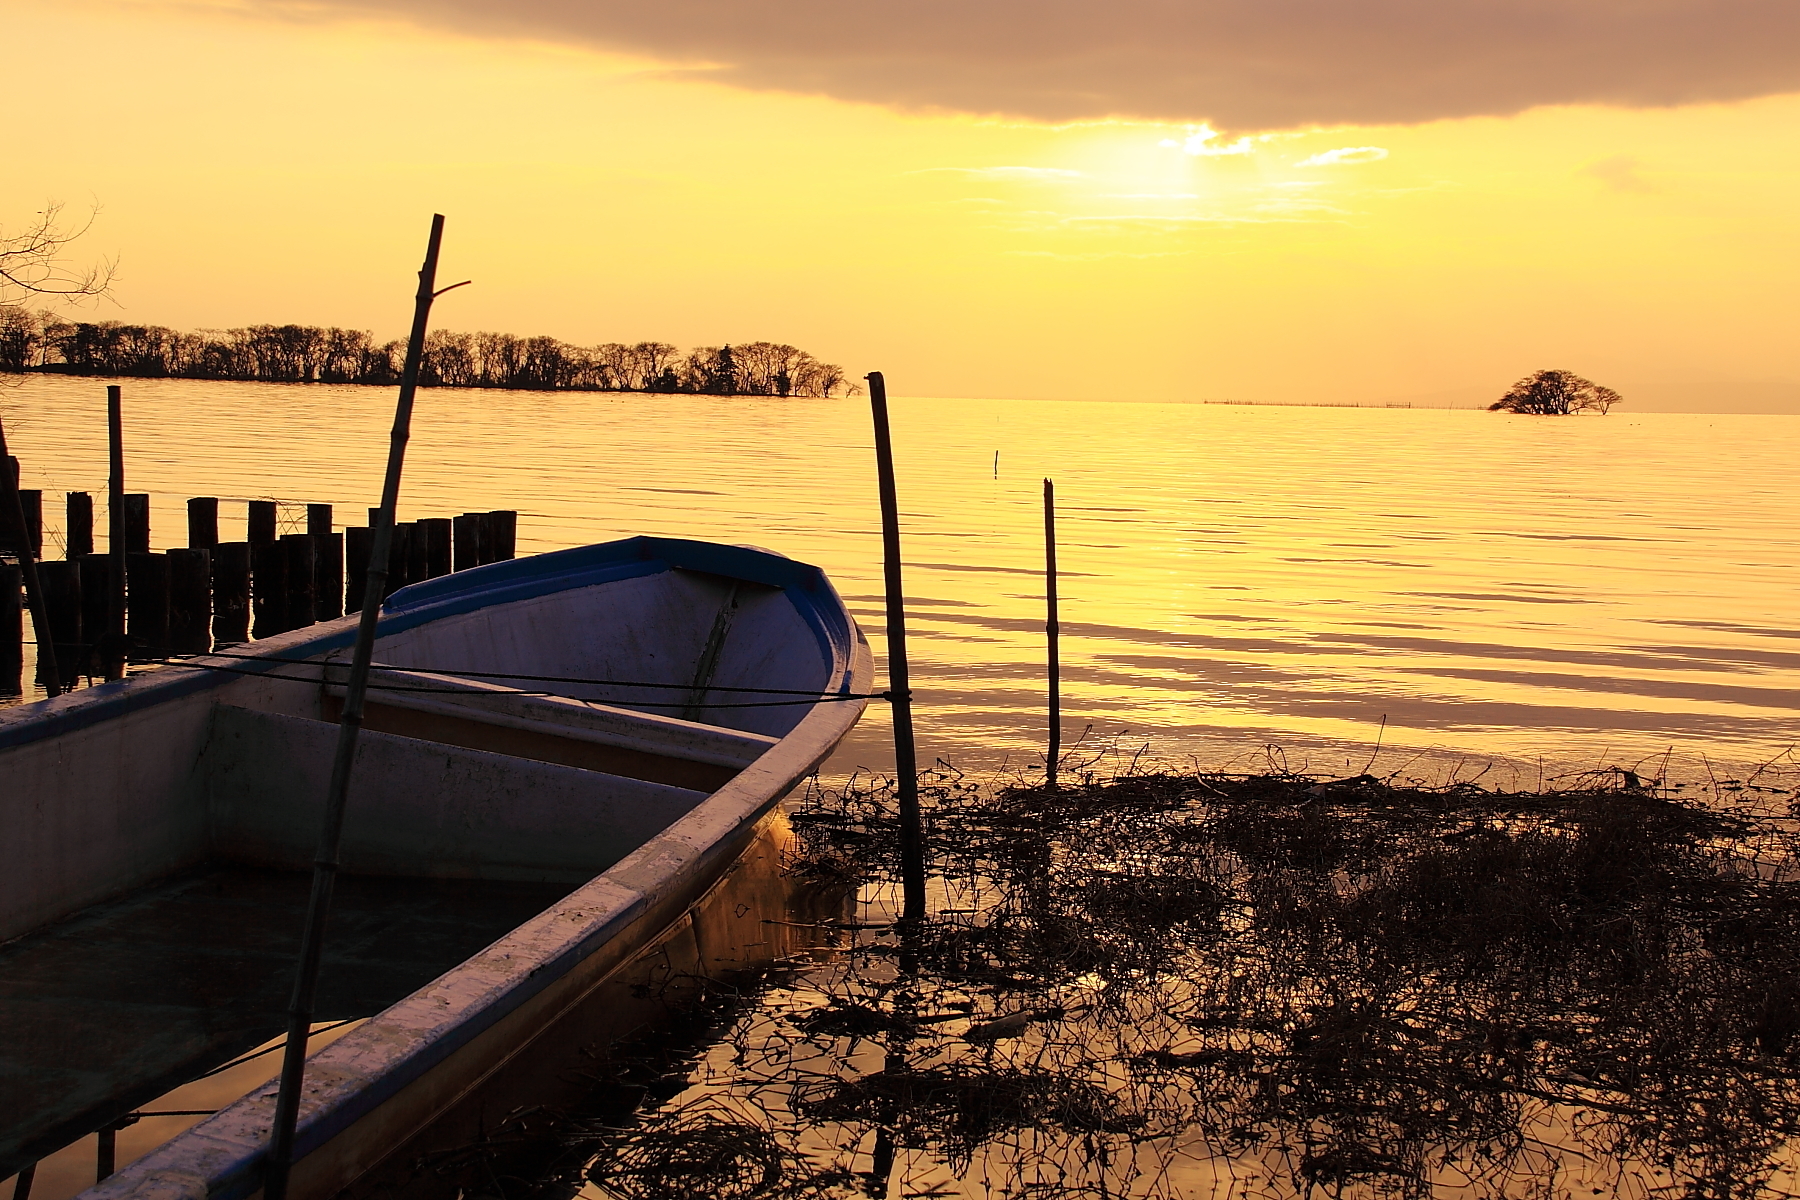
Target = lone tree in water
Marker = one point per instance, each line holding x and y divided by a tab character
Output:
1556	394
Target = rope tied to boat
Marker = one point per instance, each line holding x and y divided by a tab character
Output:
197	662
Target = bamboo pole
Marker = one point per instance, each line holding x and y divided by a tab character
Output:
34	594
325	863
906	768
1052	636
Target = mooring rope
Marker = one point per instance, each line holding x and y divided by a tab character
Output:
811	697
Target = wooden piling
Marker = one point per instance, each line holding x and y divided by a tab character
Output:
147	605
268	579
96	609
203	523
328	576
465	542
31	504
1052	636
78	528
259	523
318	520
12	625
190	600
12	518
358	539
487	536
438	535
906	769
418	566
137	523
231	592
60	581
302	598
399	555
112	642
504	531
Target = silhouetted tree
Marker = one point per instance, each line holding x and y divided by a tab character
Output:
1556	394
42	341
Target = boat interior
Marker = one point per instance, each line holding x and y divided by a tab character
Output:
510	753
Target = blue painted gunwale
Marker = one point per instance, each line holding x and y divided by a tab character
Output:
454	595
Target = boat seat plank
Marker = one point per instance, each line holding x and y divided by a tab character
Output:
485	716
421	807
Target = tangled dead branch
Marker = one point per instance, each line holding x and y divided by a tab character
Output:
1365	986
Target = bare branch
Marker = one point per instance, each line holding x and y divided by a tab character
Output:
32	260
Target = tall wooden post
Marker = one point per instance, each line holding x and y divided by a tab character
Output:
12	518
325	861
906	767
112	646
1052	636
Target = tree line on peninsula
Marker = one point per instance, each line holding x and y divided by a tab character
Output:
41	341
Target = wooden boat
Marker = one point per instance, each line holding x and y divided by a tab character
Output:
605	726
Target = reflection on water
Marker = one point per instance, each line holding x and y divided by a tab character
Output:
1582	588
1231	986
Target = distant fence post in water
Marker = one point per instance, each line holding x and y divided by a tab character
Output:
1052	636
906	766
112	644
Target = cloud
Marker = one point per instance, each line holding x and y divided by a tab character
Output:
1620	174
1344	154
1241	65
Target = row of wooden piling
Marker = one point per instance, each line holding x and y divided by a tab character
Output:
213	593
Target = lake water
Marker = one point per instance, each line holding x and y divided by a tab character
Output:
1588	590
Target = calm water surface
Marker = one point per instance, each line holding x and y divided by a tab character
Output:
1589	590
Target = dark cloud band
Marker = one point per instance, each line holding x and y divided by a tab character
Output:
1241	64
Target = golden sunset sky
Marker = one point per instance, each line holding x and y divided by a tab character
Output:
1407	201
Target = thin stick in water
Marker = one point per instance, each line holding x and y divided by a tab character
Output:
112	646
906	768
1052	636
325	863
